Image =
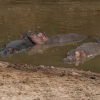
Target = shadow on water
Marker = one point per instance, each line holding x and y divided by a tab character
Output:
52	17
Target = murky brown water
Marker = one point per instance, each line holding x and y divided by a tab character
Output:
52	17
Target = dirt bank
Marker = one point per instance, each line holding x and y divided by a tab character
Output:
25	82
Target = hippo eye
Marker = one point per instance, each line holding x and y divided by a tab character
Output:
71	53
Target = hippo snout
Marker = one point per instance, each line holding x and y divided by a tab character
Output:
69	59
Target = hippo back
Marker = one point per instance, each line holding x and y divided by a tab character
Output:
16	46
90	48
71	37
84	52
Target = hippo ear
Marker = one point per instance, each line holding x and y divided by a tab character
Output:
83	54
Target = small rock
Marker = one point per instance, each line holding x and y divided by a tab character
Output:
74	73
42	66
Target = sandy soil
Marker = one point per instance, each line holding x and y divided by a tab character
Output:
25	82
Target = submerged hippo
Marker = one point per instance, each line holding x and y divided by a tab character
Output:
22	44
33	38
61	38
83	52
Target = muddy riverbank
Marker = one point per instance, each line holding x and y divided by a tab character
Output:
26	82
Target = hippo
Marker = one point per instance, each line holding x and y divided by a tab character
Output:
82	53
61	38
56	40
31	39
22	44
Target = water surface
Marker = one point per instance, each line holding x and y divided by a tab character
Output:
52	17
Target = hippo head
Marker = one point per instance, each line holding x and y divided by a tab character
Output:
35	37
38	38
75	56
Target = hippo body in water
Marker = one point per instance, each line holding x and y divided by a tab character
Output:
61	38
32	38
16	46
57	40
71	37
83	52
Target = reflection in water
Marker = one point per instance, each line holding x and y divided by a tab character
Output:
40	49
52	17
